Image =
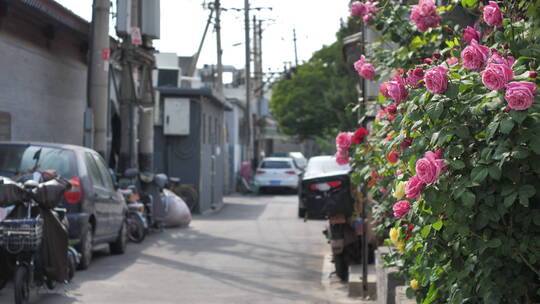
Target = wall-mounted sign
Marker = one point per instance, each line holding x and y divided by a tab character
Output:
136	37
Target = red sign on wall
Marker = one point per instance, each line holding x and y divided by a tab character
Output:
106	53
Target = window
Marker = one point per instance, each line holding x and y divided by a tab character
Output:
276	164
15	159
105	174
93	171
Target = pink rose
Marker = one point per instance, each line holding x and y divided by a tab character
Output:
533	74
415	78
436	80
429	167
499	59
397	89
364	68
406	143
343	140
367	71
342	157
424	15
451	61
401	208
413	187
496	76
383	191
358	9
470	34
475	56
492	14
520	95
383	88
371	9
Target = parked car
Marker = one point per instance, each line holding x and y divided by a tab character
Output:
322	174
96	210
299	159
277	173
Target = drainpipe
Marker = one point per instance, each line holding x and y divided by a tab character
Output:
98	70
146	122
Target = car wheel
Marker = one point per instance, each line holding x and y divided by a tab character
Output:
119	246
301	212
86	247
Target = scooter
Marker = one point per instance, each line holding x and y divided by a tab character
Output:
136	218
21	234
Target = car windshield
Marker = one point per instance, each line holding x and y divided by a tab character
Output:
21	159
276	164
325	165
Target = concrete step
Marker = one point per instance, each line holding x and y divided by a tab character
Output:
401	296
356	286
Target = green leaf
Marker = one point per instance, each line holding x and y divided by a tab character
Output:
491	129
468	3
468	198
518	116
478	174
510	199
434	110
534	144
520	153
463	132
494	243
457	164
495	172
425	231
409	293
506	126
527	191
437	225
452	91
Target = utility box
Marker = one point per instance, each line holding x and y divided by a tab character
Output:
176	116
150	18
123	16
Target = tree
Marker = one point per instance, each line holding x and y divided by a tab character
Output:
310	102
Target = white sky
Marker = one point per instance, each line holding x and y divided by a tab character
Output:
183	22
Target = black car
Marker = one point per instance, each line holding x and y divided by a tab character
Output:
96	210
324	188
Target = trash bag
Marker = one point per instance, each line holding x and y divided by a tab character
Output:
49	194
54	247
11	192
178	212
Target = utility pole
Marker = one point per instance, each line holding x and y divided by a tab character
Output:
217	7
249	132
98	71
295	49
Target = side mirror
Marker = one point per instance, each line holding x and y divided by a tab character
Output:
161	180
131	172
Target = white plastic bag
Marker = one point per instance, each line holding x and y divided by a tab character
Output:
178	213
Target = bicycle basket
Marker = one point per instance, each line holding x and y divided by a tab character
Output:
17	235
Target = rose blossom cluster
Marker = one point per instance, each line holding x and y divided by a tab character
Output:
343	143
425	15
415	78
470	34
364	69
395	89
492	14
428	170
364	10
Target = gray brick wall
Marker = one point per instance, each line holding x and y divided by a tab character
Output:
43	89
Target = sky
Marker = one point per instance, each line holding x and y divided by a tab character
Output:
183	22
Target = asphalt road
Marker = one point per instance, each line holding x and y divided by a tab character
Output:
255	250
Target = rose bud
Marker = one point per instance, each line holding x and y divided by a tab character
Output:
533	74
437	55
449	31
506	46
428	60
507	109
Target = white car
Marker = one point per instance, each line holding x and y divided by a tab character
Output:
277	173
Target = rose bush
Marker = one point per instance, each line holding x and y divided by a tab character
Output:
468	132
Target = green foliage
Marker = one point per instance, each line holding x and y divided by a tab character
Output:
311	102
476	236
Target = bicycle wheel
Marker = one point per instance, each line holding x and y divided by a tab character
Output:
22	285
189	195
